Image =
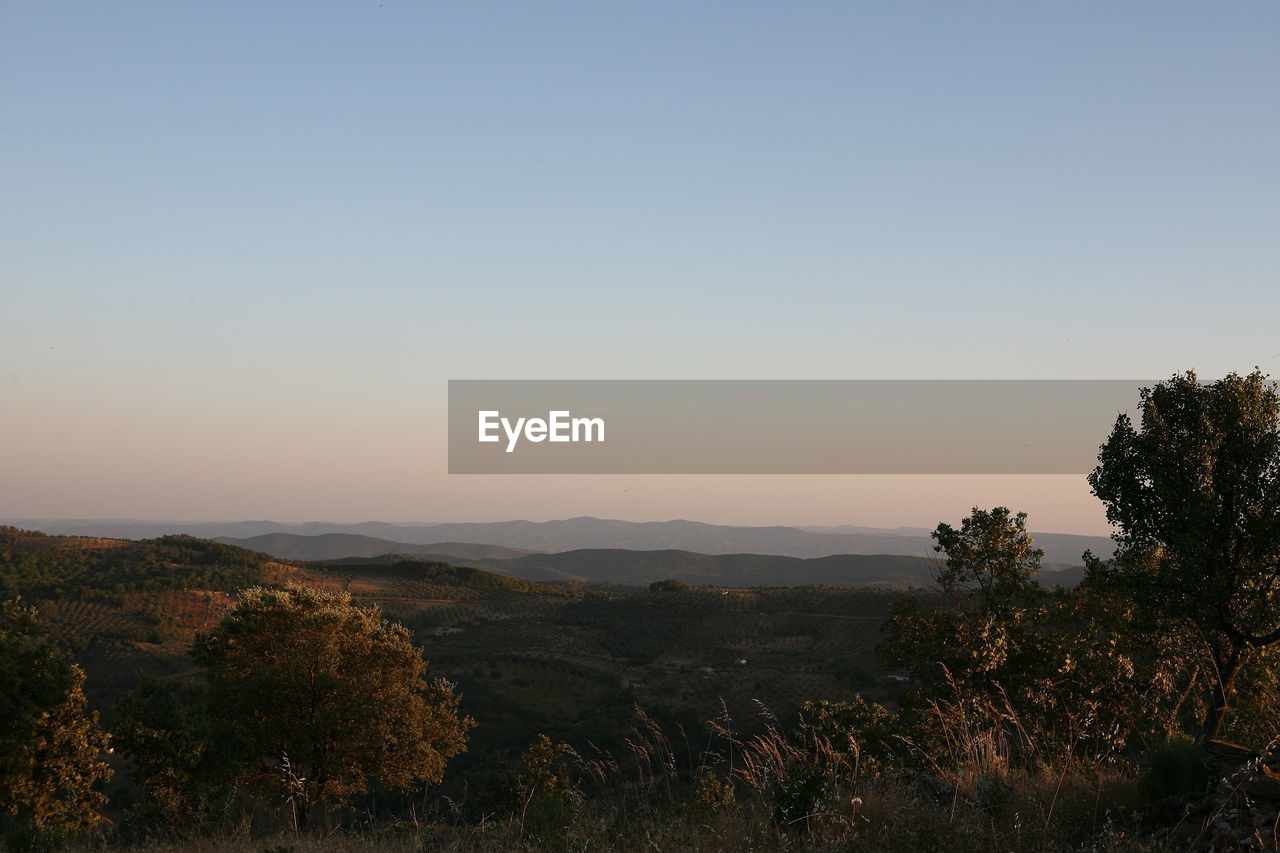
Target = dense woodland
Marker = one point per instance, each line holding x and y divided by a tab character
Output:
32	564
175	693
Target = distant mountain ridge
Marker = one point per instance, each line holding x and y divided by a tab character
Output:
181	561
640	568
627	567
332	546
1061	549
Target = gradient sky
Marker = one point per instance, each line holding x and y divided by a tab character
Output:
244	245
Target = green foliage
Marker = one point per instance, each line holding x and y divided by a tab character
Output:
336	691
1174	767
50	745
1255	721
182	756
796	776
1102	680
983	637
547	799
991	559
802	791
711	795
1085	680
33	563
1195	492
410	568
866	731
668	586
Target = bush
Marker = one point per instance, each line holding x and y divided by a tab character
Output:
548	800
1175	767
711	794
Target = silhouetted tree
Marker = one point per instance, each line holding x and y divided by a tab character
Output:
988	576
1081	680
1195	493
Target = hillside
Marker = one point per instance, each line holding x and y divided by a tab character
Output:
640	568
33	563
526	656
126	608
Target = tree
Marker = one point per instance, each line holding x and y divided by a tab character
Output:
1079	681
1195	495
326	697
988	578
183	764
51	746
991	557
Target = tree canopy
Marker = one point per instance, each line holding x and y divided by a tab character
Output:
327	697
1195	495
51	746
1084	680
988	576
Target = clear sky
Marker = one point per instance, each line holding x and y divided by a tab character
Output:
244	245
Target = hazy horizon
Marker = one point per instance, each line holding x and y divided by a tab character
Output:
246	246
829	519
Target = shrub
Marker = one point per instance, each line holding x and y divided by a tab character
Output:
1175	767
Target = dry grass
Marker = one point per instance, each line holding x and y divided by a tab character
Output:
788	791
881	817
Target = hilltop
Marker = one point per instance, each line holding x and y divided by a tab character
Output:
35	563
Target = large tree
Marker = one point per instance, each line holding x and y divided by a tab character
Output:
326	697
1195	495
51	746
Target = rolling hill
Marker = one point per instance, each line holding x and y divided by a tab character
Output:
585	533
640	568
626	568
331	546
527	657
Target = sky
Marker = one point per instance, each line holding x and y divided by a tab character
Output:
245	245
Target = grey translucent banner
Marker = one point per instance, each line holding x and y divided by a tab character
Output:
782	426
